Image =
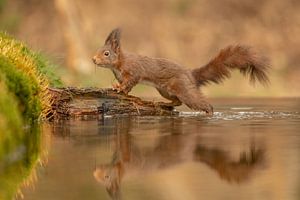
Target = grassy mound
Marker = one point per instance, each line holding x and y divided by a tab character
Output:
23	87
34	72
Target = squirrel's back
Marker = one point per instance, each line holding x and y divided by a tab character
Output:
154	69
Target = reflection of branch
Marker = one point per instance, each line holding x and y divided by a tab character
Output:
232	171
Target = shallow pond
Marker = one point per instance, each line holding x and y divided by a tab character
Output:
248	150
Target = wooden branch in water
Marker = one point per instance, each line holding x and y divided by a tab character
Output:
86	103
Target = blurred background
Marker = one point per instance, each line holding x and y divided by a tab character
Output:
189	32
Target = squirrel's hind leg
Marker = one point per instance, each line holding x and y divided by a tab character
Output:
174	99
194	100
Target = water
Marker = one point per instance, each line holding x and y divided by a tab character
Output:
248	150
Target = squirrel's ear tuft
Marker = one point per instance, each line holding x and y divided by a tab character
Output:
113	39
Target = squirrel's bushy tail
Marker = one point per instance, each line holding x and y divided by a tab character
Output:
233	57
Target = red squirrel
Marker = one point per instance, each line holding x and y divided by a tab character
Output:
172	80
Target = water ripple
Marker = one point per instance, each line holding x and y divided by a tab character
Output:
241	115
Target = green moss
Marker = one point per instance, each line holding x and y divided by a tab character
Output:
42	64
24	89
35	67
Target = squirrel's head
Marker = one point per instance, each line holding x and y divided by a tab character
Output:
110	176
109	55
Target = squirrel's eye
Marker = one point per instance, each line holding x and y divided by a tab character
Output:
106	53
106	176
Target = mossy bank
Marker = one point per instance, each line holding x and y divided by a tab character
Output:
28	76
24	100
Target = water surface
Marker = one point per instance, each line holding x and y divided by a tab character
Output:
248	150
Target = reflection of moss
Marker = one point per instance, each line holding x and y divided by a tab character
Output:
19	149
10	122
11	139
15	171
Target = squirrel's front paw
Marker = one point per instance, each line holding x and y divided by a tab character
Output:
116	87
120	88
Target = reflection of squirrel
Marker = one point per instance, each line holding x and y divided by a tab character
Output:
172	80
131	160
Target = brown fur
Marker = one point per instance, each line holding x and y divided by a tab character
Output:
172	80
233	57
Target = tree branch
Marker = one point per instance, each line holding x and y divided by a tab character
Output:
86	103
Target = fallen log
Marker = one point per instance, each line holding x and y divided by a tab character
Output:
96	103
